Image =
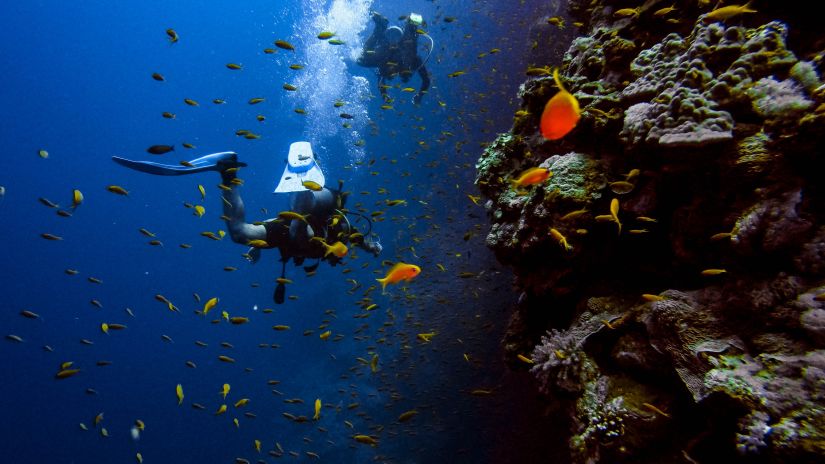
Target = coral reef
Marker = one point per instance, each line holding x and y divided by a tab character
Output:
688	291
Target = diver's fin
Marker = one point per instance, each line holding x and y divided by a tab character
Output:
312	267
280	292
213	162
280	289
253	255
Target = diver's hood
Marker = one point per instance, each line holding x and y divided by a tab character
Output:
300	167
393	34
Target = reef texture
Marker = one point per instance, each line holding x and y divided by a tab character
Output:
690	326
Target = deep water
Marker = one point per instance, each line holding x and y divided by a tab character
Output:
78	84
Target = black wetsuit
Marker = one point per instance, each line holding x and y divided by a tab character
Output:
393	60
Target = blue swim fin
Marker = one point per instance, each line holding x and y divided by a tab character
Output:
214	162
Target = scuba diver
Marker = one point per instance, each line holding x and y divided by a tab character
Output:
395	53
316	227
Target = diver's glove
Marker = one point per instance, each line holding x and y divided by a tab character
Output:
253	255
225	164
417	98
380	20
373	245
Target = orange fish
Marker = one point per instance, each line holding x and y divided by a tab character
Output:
401	271
531	176
561	114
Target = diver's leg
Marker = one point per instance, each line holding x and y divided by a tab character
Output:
239	230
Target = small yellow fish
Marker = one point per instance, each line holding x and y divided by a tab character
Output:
561	239
614	213
290	87
312	185
407	415
365	439
727	12
627	12
233	66
179	391
291	215
317	409
77	198
241	402
173	36
202	191
199	210
225	390
284	45
221	410
324	35
117	189
651	297
713	272
523	358
209	305
338	249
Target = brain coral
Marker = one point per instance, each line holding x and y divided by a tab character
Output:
686	88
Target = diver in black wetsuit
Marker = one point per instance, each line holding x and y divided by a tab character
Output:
325	224
394	51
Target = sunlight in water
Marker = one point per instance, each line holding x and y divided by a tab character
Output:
327	74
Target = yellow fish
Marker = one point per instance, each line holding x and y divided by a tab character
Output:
77	198
117	189
221	410
225	390
727	12
713	272
561	239
614	213
338	249
311	185
291	215
179	391
317	409
209	305
241	402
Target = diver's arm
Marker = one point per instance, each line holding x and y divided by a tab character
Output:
425	84
383	89
239	230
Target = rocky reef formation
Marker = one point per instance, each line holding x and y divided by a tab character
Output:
689	326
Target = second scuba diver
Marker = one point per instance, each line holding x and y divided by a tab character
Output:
316	227
394	51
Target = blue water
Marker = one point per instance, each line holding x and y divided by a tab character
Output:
78	84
